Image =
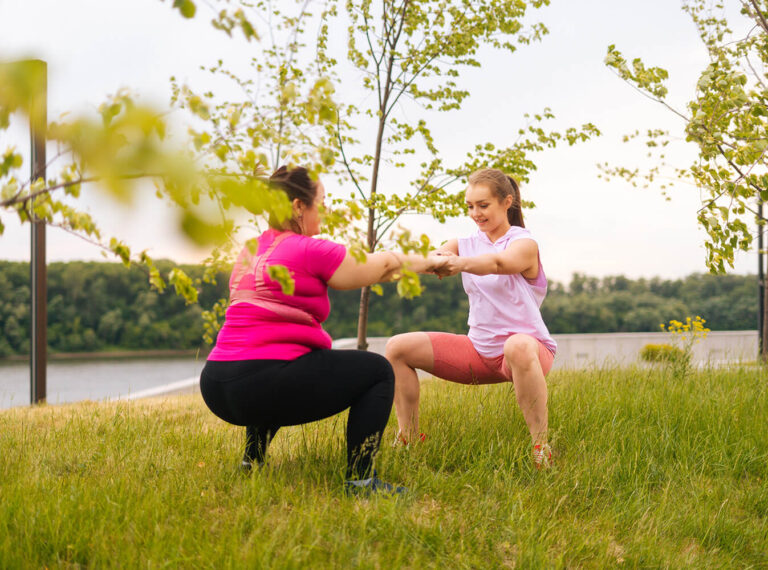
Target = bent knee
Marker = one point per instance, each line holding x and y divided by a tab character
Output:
521	348
411	349
398	347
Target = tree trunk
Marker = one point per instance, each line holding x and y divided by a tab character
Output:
362	319
365	295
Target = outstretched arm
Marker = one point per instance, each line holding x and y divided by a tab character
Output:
378	267
520	256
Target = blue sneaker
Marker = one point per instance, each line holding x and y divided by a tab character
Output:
370	486
246	466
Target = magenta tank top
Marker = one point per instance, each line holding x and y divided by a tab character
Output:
264	323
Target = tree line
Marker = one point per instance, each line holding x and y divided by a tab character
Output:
97	306
585	305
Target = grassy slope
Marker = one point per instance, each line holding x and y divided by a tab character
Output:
650	472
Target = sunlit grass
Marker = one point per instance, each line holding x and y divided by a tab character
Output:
649	472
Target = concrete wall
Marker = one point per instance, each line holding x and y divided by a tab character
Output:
585	350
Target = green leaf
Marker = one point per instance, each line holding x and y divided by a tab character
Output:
409	285
183	285
282	275
121	250
186	7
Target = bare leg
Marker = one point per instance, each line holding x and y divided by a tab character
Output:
522	355
406	352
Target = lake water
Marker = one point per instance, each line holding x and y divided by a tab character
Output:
71	381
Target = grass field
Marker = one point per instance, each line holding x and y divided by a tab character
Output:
650	472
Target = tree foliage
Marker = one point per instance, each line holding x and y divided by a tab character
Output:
727	120
585	305
103	306
408	56
125	143
405	58
209	175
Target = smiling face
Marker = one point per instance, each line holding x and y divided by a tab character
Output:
487	211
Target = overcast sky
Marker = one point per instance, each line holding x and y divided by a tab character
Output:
583	224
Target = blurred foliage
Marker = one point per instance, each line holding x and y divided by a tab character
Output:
203	173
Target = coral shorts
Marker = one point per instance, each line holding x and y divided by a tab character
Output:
457	360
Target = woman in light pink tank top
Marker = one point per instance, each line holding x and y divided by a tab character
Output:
508	341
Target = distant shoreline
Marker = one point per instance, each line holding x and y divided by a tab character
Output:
113	354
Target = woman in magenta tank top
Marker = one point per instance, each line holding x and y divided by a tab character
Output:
508	341
273	366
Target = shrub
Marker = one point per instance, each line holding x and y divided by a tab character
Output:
665	353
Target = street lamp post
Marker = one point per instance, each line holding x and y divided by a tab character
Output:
38	121
760	284
34	80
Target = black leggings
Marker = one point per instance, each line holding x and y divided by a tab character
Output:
265	395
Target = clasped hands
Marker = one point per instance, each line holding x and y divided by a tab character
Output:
444	263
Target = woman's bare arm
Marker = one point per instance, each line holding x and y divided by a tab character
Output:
520	256
378	267
451	246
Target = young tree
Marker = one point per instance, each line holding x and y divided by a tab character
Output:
727	119
408	54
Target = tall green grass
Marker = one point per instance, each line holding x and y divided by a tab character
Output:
650	472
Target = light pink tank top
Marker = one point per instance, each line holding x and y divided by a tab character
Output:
501	305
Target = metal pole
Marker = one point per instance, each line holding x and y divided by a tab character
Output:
38	121
760	282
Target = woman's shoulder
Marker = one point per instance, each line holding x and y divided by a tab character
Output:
311	243
321	244
321	254
515	233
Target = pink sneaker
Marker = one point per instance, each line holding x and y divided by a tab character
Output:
542	456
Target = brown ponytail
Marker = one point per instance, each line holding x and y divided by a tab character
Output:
502	186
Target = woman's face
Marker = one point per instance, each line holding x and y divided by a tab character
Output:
485	209
311	216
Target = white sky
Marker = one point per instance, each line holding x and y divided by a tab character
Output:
583	224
